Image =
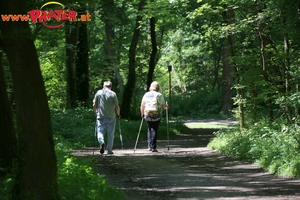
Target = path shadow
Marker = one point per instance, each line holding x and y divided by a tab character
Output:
184	168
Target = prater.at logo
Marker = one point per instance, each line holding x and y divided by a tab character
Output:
52	15
59	15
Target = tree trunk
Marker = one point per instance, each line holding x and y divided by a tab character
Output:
111	60
71	43
217	57
8	140
152	61
263	64
227	73
129	88
82	66
227	78
230	73
36	170
298	82
287	68
287	109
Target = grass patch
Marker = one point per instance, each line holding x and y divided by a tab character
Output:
206	125
275	146
78	180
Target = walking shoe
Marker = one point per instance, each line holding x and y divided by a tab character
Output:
102	148
110	152
150	149
154	150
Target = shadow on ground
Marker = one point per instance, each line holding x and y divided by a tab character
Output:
184	168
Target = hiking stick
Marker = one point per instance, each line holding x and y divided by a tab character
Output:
167	124
120	133
138	135
95	135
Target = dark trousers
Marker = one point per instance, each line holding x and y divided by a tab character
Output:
152	133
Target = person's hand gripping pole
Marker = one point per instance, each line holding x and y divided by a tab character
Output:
137	139
121	138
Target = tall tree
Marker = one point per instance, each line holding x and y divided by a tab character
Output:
227	72
111	61
82	65
153	58
131	79
37	169
71	35
8	140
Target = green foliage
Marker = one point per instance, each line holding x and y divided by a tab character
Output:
78	180
190	36
77	127
201	104
50	47
275	146
6	185
55	85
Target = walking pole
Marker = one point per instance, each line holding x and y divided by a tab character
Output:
138	135
120	134
95	135
167	125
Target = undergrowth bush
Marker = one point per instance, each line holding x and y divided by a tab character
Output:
77	126
275	146
6	185
78	180
201	104
74	129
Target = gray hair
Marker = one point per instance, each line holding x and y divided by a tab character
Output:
107	84
154	86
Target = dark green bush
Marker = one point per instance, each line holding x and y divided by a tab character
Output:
77	126
201	104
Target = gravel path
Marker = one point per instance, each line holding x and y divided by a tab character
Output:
185	169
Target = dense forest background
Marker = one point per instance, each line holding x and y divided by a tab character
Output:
226	57
216	58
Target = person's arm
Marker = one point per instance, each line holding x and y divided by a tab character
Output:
162	102
117	107
95	104
118	110
142	108
164	106
94	107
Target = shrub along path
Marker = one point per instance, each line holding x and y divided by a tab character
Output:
187	170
